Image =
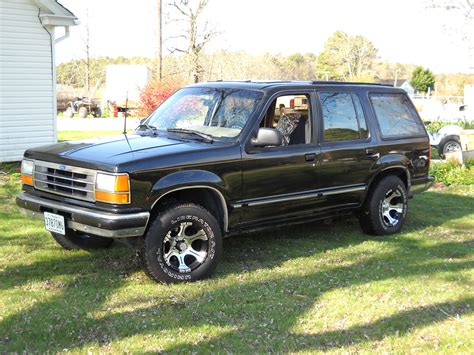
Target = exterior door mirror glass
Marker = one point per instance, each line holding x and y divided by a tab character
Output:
267	137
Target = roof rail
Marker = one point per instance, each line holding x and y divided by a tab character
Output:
311	82
346	83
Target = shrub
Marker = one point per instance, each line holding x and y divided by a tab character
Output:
436	125
154	94
450	173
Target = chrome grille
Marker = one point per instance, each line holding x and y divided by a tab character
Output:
65	180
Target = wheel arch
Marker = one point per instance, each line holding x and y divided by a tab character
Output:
396	170
448	138
207	196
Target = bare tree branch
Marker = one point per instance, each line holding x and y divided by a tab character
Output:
195	35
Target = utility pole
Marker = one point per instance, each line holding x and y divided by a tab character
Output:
159	66
396	78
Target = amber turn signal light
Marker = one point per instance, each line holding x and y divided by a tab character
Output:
27	179
121	183
111	197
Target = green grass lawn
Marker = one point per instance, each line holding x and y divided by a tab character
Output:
312	288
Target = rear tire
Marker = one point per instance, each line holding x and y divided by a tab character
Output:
449	144
385	209
97	112
75	240
184	243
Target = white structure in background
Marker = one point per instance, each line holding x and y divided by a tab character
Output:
400	83
124	81
27	73
469	95
405	85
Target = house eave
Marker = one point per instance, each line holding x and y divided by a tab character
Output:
58	20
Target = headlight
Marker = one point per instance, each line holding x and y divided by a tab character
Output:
112	188
27	167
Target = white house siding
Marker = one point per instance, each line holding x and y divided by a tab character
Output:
27	103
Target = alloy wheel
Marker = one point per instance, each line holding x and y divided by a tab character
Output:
392	208
185	247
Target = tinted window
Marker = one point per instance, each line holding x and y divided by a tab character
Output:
396	115
364	132
221	113
339	116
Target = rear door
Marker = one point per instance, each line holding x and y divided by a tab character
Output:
347	153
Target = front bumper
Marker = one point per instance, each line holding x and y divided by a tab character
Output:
104	224
420	185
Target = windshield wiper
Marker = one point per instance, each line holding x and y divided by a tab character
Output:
206	137
149	128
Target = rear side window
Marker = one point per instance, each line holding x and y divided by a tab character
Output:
396	116
343	117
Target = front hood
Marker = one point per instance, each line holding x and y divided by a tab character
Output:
109	150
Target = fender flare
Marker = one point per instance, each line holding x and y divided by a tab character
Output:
191	179
390	166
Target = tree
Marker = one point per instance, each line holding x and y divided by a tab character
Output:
196	34
463	29
347	57
154	94
384	70
422	79
465	8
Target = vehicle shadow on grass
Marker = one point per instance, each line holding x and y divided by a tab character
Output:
254	316
257	315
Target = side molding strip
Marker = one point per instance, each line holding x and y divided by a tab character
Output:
315	193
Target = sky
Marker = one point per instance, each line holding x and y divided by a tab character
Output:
404	31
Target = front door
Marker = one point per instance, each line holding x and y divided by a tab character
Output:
282	181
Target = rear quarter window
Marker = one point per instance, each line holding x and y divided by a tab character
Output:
396	116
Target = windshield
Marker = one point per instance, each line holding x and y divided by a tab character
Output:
219	113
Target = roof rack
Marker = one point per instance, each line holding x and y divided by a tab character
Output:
311	82
346	83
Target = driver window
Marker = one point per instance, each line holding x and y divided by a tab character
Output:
291	115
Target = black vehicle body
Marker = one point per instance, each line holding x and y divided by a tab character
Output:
243	186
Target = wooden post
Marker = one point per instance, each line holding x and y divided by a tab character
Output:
159	66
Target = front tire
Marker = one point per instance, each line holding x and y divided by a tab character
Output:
184	243
83	112
385	209
76	240
69	113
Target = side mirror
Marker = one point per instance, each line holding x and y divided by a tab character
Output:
267	137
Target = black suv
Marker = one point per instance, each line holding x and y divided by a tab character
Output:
221	158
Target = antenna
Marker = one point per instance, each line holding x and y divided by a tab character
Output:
125	115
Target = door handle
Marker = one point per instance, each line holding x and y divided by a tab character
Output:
372	153
310	157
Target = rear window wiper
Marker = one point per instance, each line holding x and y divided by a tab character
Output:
206	137
152	129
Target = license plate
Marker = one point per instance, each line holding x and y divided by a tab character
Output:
54	223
